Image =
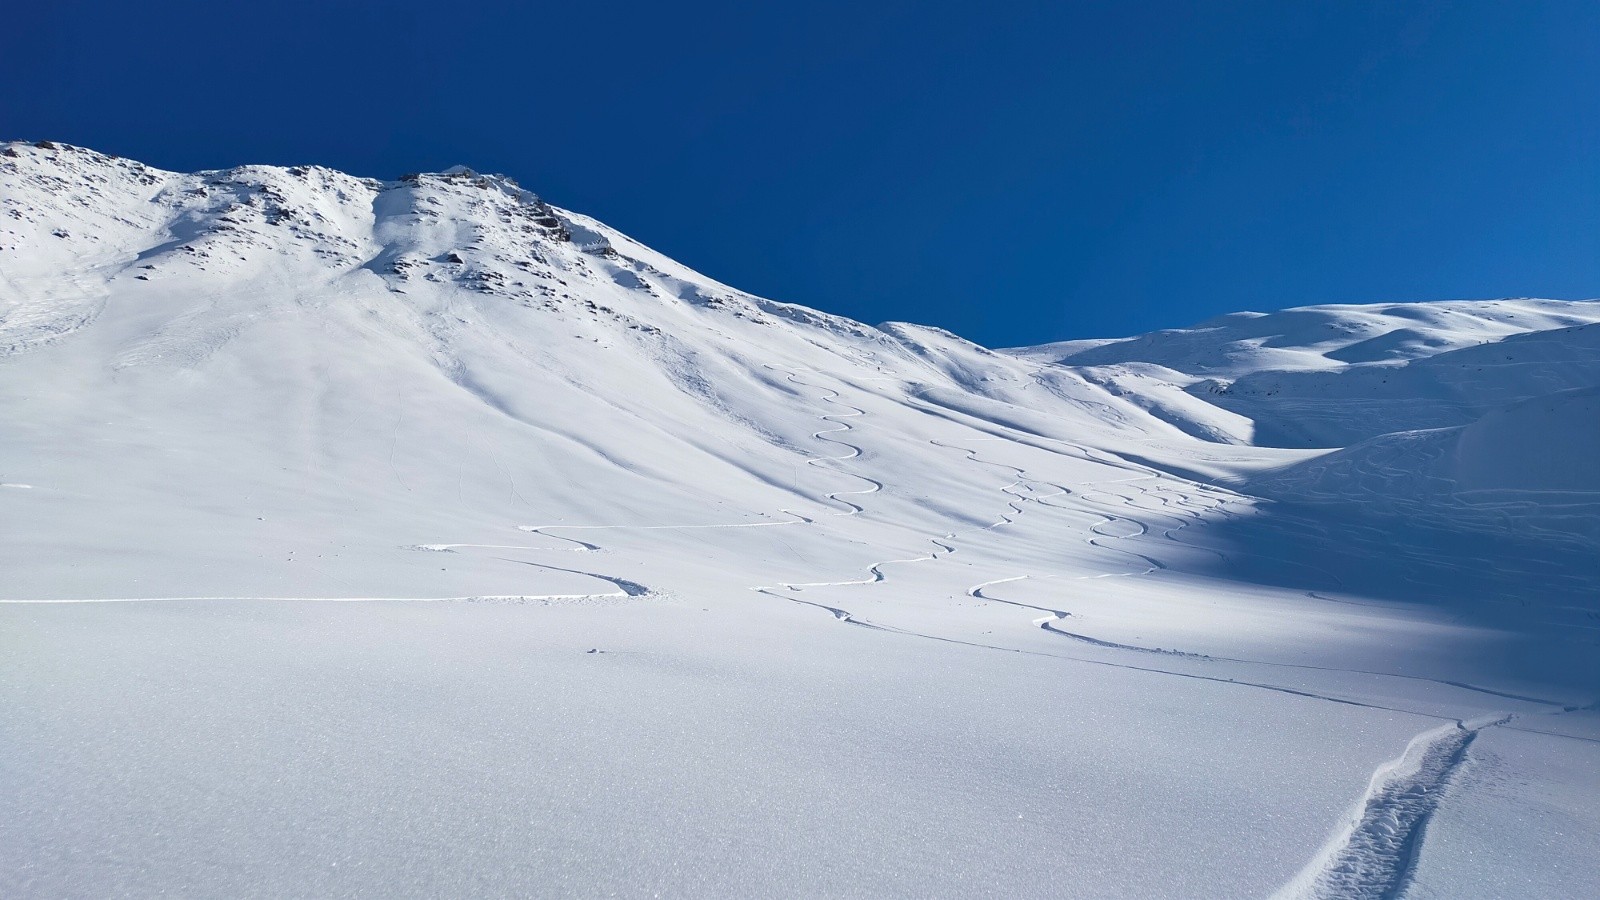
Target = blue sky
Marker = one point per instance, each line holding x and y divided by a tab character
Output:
1014	172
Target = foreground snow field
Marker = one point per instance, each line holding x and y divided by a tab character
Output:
419	538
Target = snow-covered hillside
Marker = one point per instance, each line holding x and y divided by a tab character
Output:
1330	376
668	589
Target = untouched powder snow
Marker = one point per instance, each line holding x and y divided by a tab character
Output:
1330	376
420	538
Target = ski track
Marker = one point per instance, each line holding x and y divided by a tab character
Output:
543	599
875	571
545	530
832	396
1374	855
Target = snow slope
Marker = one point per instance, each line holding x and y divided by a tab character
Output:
667	589
1331	376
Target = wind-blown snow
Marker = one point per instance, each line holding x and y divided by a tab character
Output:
670	589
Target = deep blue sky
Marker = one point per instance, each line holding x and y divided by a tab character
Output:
1014	172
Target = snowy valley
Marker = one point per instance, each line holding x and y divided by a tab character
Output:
422	538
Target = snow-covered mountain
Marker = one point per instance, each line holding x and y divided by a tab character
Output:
733	596
1330	376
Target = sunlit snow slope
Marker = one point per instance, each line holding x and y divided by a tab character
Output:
733	597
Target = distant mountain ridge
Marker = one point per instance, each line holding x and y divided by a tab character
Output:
1330	376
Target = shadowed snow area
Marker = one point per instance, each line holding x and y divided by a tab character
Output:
420	538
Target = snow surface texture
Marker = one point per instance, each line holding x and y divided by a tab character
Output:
663	589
